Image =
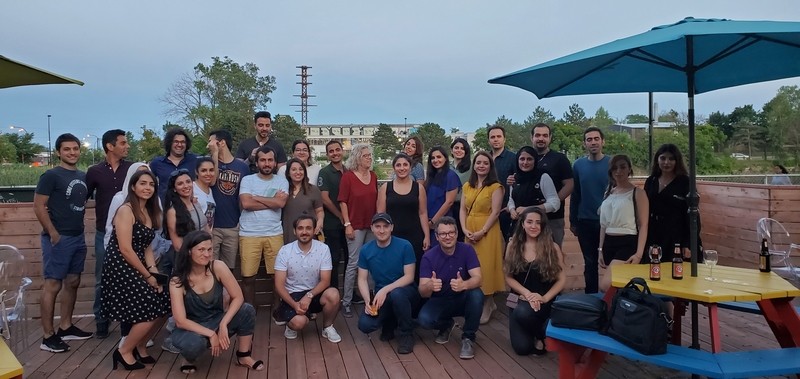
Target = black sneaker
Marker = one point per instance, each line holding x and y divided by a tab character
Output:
54	344
73	333
405	344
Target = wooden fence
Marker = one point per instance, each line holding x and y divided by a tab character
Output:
729	212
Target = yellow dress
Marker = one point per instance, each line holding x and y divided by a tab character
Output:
490	247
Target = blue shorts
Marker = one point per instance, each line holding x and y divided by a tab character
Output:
66	257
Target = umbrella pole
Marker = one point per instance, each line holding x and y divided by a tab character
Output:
693	197
651	112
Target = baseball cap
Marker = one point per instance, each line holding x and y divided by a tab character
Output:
382	217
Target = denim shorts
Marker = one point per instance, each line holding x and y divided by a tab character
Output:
66	257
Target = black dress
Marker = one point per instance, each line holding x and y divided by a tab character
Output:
404	210
125	294
669	215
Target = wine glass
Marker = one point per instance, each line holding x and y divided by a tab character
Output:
710	257
655	253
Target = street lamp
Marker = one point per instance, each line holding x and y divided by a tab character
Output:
96	144
49	144
18	129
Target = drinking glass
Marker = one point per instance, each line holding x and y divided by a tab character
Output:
710	257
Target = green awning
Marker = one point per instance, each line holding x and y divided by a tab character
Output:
13	74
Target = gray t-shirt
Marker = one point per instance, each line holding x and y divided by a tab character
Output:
266	222
302	204
66	203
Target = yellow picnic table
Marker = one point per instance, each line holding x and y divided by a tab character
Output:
9	365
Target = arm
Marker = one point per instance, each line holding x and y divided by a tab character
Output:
600	249
406	279
574	202
512	206
560	282
177	241
462	216
320	219
423	217
552	202
449	200
380	205
363	287
250	202
566	189
474	280
344	195
280	289
40	210
643	219
228	281
330	205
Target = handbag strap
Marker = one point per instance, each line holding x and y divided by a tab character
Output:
530	265
469	209
635	211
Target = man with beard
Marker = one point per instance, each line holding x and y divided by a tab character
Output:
505	162
104	180
302	281
558	167
230	172
262	197
177	145
333	228
59	205
262	122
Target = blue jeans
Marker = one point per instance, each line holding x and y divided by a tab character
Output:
193	345
526	326
589	239
396	311
438	312
99	254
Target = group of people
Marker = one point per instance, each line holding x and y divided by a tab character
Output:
435	242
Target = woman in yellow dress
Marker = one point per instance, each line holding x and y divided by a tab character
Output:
481	202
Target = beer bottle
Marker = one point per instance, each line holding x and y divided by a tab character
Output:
655	268
764	265
677	263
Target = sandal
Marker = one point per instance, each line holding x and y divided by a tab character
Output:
257	365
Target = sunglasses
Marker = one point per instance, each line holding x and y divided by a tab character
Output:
179	171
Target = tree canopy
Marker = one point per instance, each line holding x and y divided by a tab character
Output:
432	135
385	142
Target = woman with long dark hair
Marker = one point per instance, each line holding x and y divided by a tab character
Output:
302	151
206	177
462	166
182	215
413	148
535	270
532	187
304	199
667	190
130	293
201	320
441	187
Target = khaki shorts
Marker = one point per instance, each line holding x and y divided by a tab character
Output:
226	245
252	248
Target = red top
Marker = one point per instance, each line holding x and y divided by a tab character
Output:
360	198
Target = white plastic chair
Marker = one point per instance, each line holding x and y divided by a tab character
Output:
13	316
780	246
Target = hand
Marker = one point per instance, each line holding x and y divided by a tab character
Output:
535	300
318	229
510	180
431	224
601	261
634	259
513	213
152	282
477	236
54	238
213	147
216	349
426	243
436	283
349	232
377	301
280	195
305	302
222	336
457	284
467	234
368	309
298	309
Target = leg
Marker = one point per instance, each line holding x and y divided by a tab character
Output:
520	329
605	280
137	335
401	301
335	238
101	324
297	323
249	288
589	239
50	290
226	245
76	248
271	246
330	305
437	313
473	302
190	344
557	228
250	248
71	283
353	249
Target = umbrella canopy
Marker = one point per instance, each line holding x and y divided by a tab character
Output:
13	74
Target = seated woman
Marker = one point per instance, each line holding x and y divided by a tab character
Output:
535	270
196	291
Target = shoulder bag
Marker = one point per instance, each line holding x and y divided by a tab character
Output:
639	319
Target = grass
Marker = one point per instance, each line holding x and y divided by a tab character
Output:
18	174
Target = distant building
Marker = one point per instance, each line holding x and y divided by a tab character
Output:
637	131
349	134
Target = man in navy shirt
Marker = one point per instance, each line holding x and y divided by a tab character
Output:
177	146
505	162
230	172
450	276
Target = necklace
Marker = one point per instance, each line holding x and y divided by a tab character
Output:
662	183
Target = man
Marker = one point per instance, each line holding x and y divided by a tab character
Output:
262	122
390	262
505	162
104	180
60	204
262	197
591	180
177	144
230	172
450	278
558	167
333	228
302	281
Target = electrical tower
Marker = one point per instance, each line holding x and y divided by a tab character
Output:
304	94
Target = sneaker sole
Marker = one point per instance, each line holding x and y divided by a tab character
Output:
50	349
74	338
330	339
467	356
280	323
294	337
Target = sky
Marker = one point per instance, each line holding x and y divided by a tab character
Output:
409	61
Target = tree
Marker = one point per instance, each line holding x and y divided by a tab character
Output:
385	142
24	145
8	152
781	117
150	146
432	135
722	122
670	116
539	115
517	135
576	116
287	130
224	94
637	119
602	119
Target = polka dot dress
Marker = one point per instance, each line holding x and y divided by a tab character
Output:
126	296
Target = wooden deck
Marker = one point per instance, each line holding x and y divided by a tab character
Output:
359	356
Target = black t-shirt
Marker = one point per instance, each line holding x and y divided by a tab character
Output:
66	203
247	146
558	167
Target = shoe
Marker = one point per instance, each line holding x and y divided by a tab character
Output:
169	347
290	334
54	344
101	331
117	358
443	336
73	333
487	312
170	324
539	351
467	350
331	334
257	365
357	299
148	360
405	344
387	335
149	343
347	311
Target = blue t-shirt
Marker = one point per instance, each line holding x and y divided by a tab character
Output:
163	168
386	264
265	222
226	192
437	192
591	181
446	266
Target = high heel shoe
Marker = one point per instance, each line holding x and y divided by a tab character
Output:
117	358
148	360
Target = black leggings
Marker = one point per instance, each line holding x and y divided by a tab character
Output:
526	326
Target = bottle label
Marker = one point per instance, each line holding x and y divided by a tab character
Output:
655	271
677	270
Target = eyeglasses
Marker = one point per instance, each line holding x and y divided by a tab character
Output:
446	234
179	142
179	171
301	150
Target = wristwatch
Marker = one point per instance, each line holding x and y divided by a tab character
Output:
346	224
309	295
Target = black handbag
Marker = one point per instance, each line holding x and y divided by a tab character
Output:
639	319
579	311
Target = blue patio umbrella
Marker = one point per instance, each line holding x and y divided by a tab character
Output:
691	56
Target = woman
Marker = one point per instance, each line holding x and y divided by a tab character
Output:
535	270
304	199
667	189
183	214
480	207
441	187
532	187
302	151
358	196
206	174
781	177
405	200
623	219
462	160
413	148
119	199
196	290
130	292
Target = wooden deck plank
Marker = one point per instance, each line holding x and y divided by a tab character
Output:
295	359
369	357
347	362
448	363
312	341
277	367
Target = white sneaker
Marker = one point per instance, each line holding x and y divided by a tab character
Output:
331	334
290	334
150	343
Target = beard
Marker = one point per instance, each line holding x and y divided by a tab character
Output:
266	170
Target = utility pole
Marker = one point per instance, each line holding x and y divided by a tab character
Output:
304	83
49	143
